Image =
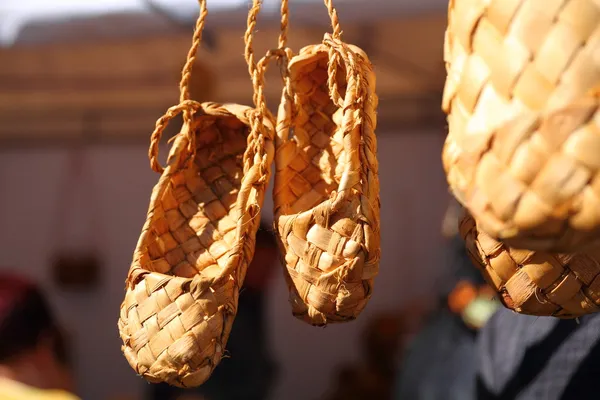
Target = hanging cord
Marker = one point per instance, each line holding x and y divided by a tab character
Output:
284	27
335	22
285	57
255	69
282	54
257	74
343	58
256	137
340	54
186	105
338	51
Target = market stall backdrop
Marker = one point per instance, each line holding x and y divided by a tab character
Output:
100	73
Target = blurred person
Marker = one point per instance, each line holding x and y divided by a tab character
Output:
247	371
524	357
33	356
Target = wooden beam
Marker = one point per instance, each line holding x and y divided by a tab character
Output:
47	91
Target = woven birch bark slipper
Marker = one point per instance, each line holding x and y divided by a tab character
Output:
326	193
536	282
192	256
523	149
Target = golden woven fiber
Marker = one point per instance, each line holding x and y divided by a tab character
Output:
326	193
523	149
192	256
536	283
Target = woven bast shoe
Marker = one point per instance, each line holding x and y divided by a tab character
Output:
539	178
326	193
198	240
536	283
192	255
522	153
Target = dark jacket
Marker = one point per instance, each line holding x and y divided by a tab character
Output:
527	358
440	362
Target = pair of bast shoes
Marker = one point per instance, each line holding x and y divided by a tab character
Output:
198	239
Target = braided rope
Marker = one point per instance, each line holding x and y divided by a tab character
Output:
257	72
335	22
187	106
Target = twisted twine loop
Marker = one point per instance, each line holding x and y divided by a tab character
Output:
186	106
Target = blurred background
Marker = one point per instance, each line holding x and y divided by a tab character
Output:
81	86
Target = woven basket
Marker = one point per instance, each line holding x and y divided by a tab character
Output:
196	244
536	283
326	193
523	149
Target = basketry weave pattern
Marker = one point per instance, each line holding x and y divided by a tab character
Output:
536	283
326	192
522	101
192	255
